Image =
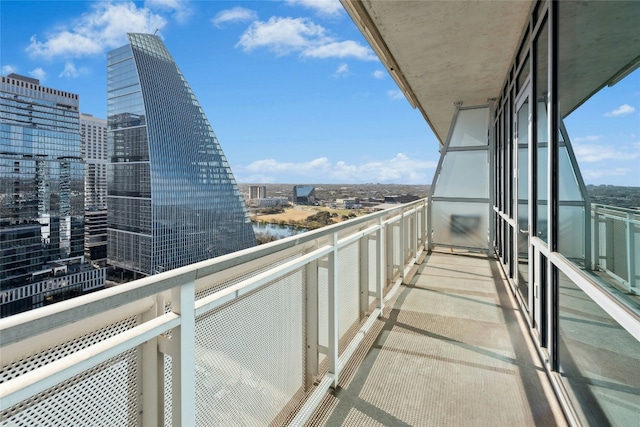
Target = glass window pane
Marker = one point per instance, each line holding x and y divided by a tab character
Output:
464	174
471	128
599	360
460	224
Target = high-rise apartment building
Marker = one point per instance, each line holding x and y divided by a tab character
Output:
172	199
41	192
93	132
258	192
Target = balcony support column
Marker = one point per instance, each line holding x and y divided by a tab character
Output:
183	362
311	361
334	334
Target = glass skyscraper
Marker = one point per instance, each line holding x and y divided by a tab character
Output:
172	199
41	179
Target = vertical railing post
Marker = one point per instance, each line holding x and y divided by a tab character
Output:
364	275
151	370
631	257
389	240
596	239
609	250
183	362
403	249
381	263
426	237
311	359
333	312
414	234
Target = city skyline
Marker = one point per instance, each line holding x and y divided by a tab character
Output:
292	89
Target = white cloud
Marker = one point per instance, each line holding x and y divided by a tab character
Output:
400	169
343	49
594	174
38	73
281	35
323	7
591	153
287	35
70	71
8	69
179	8
621	111
236	14
395	94
378	74
105	27
342	71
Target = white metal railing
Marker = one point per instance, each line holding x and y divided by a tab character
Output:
240	339
616	243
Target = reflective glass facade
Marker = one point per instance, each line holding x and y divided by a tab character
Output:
172	199
41	178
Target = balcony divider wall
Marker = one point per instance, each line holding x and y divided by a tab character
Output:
459	195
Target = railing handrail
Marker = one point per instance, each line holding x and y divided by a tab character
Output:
614	208
35	322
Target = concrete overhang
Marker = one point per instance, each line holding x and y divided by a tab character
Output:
444	52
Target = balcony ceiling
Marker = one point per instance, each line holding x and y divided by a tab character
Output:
443	52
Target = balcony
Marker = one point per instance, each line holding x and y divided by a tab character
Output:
351	324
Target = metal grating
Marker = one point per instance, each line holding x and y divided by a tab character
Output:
105	395
218	286
43	358
250	355
348	287
168	401
323	302
107	389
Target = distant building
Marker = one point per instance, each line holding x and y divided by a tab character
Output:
258	192
404	198
349	203
53	282
304	195
41	192
172	199
95	236
93	134
269	202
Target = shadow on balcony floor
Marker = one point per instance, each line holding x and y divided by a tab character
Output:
450	349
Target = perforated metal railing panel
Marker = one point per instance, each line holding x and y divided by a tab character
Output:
250	355
104	395
348	287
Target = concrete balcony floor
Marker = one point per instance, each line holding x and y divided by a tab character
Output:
452	348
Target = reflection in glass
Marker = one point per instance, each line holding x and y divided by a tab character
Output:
599	360
172	198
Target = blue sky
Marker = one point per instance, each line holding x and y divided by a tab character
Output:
291	88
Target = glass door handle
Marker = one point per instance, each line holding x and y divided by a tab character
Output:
524	231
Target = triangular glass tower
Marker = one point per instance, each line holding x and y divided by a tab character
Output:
172	199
